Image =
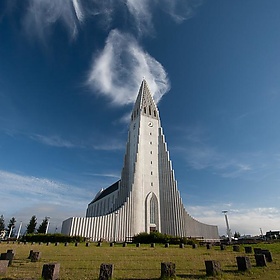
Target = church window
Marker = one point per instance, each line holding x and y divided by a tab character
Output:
150	133
151	152
152	183
153	209
145	111
151	162
151	172
155	113
150	112
151	143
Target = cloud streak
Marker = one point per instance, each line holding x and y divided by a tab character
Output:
43	197
118	69
241	219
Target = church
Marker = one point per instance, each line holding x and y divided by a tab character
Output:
146	198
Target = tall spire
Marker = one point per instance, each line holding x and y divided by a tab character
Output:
145	104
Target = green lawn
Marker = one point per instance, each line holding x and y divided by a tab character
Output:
83	262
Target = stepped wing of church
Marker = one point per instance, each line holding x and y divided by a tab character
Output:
146	198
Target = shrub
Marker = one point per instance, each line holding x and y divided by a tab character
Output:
157	237
57	237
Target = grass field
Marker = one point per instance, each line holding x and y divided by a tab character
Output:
83	262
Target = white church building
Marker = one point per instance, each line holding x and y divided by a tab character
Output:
146	198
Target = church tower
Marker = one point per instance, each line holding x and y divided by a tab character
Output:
146	198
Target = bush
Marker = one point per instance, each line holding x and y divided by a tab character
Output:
57	237
157	237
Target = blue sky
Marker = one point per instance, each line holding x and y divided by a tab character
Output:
70	71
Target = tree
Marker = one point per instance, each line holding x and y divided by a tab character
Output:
11	226
43	226
2	223
30	228
236	235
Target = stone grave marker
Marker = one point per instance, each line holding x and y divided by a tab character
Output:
50	271
243	263
106	271
168	270
213	268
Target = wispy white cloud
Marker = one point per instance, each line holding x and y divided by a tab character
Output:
41	15
23	196
54	141
241	219
118	69
200	154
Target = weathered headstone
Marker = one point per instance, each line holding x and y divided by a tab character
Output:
3	266
248	249
257	251
267	255
76	244
243	263
260	260
66	244
182	245
168	270
124	244
194	246
166	245
112	244
223	247
153	245
87	244
99	244
35	256
208	246
236	248
50	271
138	245
212	268
48	243
56	243
106	271
30	253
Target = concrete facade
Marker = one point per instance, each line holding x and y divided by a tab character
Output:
146	198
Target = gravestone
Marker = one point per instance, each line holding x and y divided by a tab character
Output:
30	253
260	260
208	246
87	244
56	243
66	244
194	246
243	263
153	245
182	245
9	255
137	245
248	249
236	248
76	244
213	268
106	271
112	244
223	247
166	245
124	244
257	251
168	270
48	243
50	271
99	244
35	256
267	255
3	266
